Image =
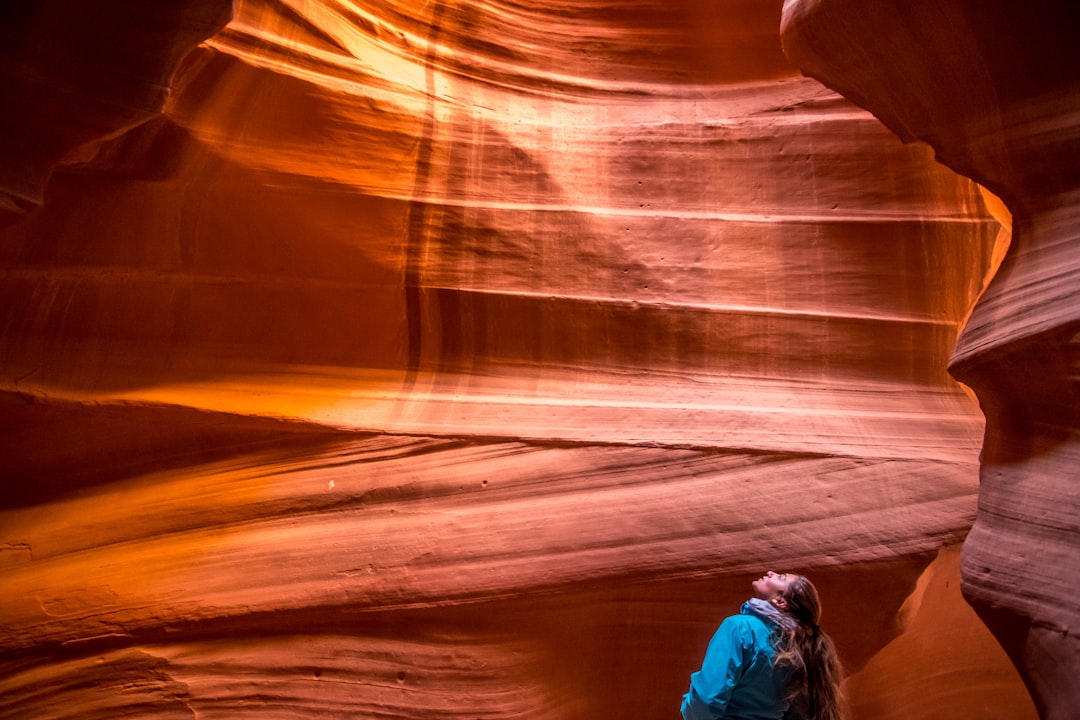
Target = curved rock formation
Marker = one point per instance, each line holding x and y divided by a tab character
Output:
994	88
74	75
466	360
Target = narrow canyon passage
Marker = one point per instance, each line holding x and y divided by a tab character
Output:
468	360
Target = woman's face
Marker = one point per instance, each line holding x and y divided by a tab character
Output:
772	586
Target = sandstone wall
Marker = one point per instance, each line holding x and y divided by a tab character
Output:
993	88
468	360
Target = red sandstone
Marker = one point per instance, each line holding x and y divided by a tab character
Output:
436	360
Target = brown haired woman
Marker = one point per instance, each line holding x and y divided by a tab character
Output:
771	661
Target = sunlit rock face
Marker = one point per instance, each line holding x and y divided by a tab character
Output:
994	88
469	360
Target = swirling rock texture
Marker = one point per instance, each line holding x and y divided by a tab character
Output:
400	359
994	88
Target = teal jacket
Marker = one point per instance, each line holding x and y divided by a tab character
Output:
737	680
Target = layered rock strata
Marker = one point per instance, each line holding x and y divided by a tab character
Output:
994	88
467	360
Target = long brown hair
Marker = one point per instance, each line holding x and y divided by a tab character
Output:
816	670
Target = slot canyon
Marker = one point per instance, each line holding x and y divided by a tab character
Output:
462	360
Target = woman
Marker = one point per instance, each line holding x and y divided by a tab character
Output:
770	661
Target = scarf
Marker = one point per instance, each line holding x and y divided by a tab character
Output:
769	613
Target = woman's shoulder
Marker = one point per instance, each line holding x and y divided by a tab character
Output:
744	624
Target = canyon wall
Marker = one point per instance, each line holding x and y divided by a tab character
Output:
412	360
994	88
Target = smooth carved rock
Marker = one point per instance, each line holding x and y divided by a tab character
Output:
930	663
467	360
75	75
994	88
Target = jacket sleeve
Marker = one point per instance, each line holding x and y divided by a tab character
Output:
710	687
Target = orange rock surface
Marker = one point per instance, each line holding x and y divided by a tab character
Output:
468	360
994	88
